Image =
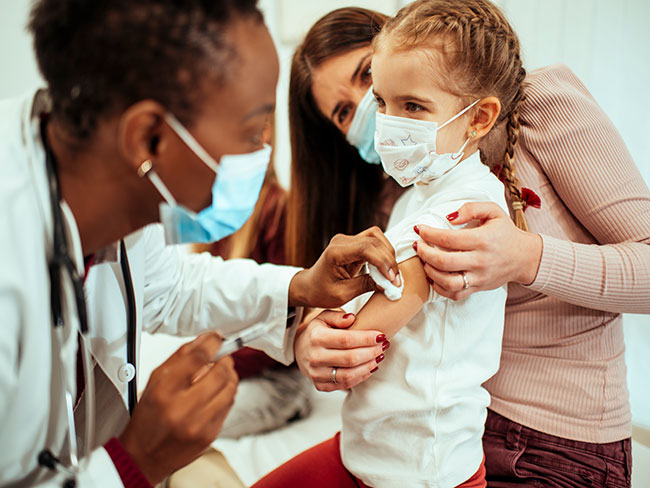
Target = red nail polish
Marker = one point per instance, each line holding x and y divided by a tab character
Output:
415	246
452	216
372	371
379	358
348	315
380	338
385	345
417	229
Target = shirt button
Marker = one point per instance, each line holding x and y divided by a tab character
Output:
126	373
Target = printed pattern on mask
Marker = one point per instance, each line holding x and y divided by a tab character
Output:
416	159
401	164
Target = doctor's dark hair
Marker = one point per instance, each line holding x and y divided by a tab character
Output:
332	189
479	53
100	56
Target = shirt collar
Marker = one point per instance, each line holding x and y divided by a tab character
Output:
465	170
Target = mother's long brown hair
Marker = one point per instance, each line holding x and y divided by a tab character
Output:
333	190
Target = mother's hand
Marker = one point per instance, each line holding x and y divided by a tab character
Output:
492	254
321	345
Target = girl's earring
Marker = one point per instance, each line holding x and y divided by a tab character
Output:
472	134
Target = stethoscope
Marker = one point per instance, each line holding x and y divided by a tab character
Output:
60	265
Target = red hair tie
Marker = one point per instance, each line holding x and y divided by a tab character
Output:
530	198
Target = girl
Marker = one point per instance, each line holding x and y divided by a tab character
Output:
444	73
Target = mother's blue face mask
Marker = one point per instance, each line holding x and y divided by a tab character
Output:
361	133
237	185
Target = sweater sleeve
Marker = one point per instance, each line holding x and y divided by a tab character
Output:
129	472
590	168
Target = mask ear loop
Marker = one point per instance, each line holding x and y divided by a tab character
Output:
191	142
146	169
460	113
459	153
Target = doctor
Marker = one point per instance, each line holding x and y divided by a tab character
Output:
146	101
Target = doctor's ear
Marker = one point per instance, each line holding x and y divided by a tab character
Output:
141	131
486	112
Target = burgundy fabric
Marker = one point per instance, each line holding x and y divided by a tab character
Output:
129	472
251	362
81	381
322	467
269	246
519	456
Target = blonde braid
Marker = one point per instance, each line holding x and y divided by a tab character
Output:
508	171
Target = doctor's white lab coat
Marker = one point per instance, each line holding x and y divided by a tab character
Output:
174	293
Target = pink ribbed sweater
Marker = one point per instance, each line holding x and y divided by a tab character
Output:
562	367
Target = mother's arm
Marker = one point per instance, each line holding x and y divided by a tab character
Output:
591	170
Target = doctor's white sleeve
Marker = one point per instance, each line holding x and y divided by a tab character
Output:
187	294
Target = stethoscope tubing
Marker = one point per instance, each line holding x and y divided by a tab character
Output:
60	262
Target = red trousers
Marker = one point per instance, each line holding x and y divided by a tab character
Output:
322	467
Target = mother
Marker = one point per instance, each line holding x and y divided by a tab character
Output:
578	259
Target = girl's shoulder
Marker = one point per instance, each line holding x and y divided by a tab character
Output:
473	183
433	207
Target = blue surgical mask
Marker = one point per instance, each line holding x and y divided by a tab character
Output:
361	133
237	185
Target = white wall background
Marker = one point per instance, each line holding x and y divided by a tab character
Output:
18	71
605	42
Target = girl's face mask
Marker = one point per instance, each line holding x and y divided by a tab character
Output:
407	148
237	185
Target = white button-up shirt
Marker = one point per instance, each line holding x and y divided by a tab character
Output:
418	421
175	293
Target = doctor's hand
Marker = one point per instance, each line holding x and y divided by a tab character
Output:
181	410
323	345
492	254
333	280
